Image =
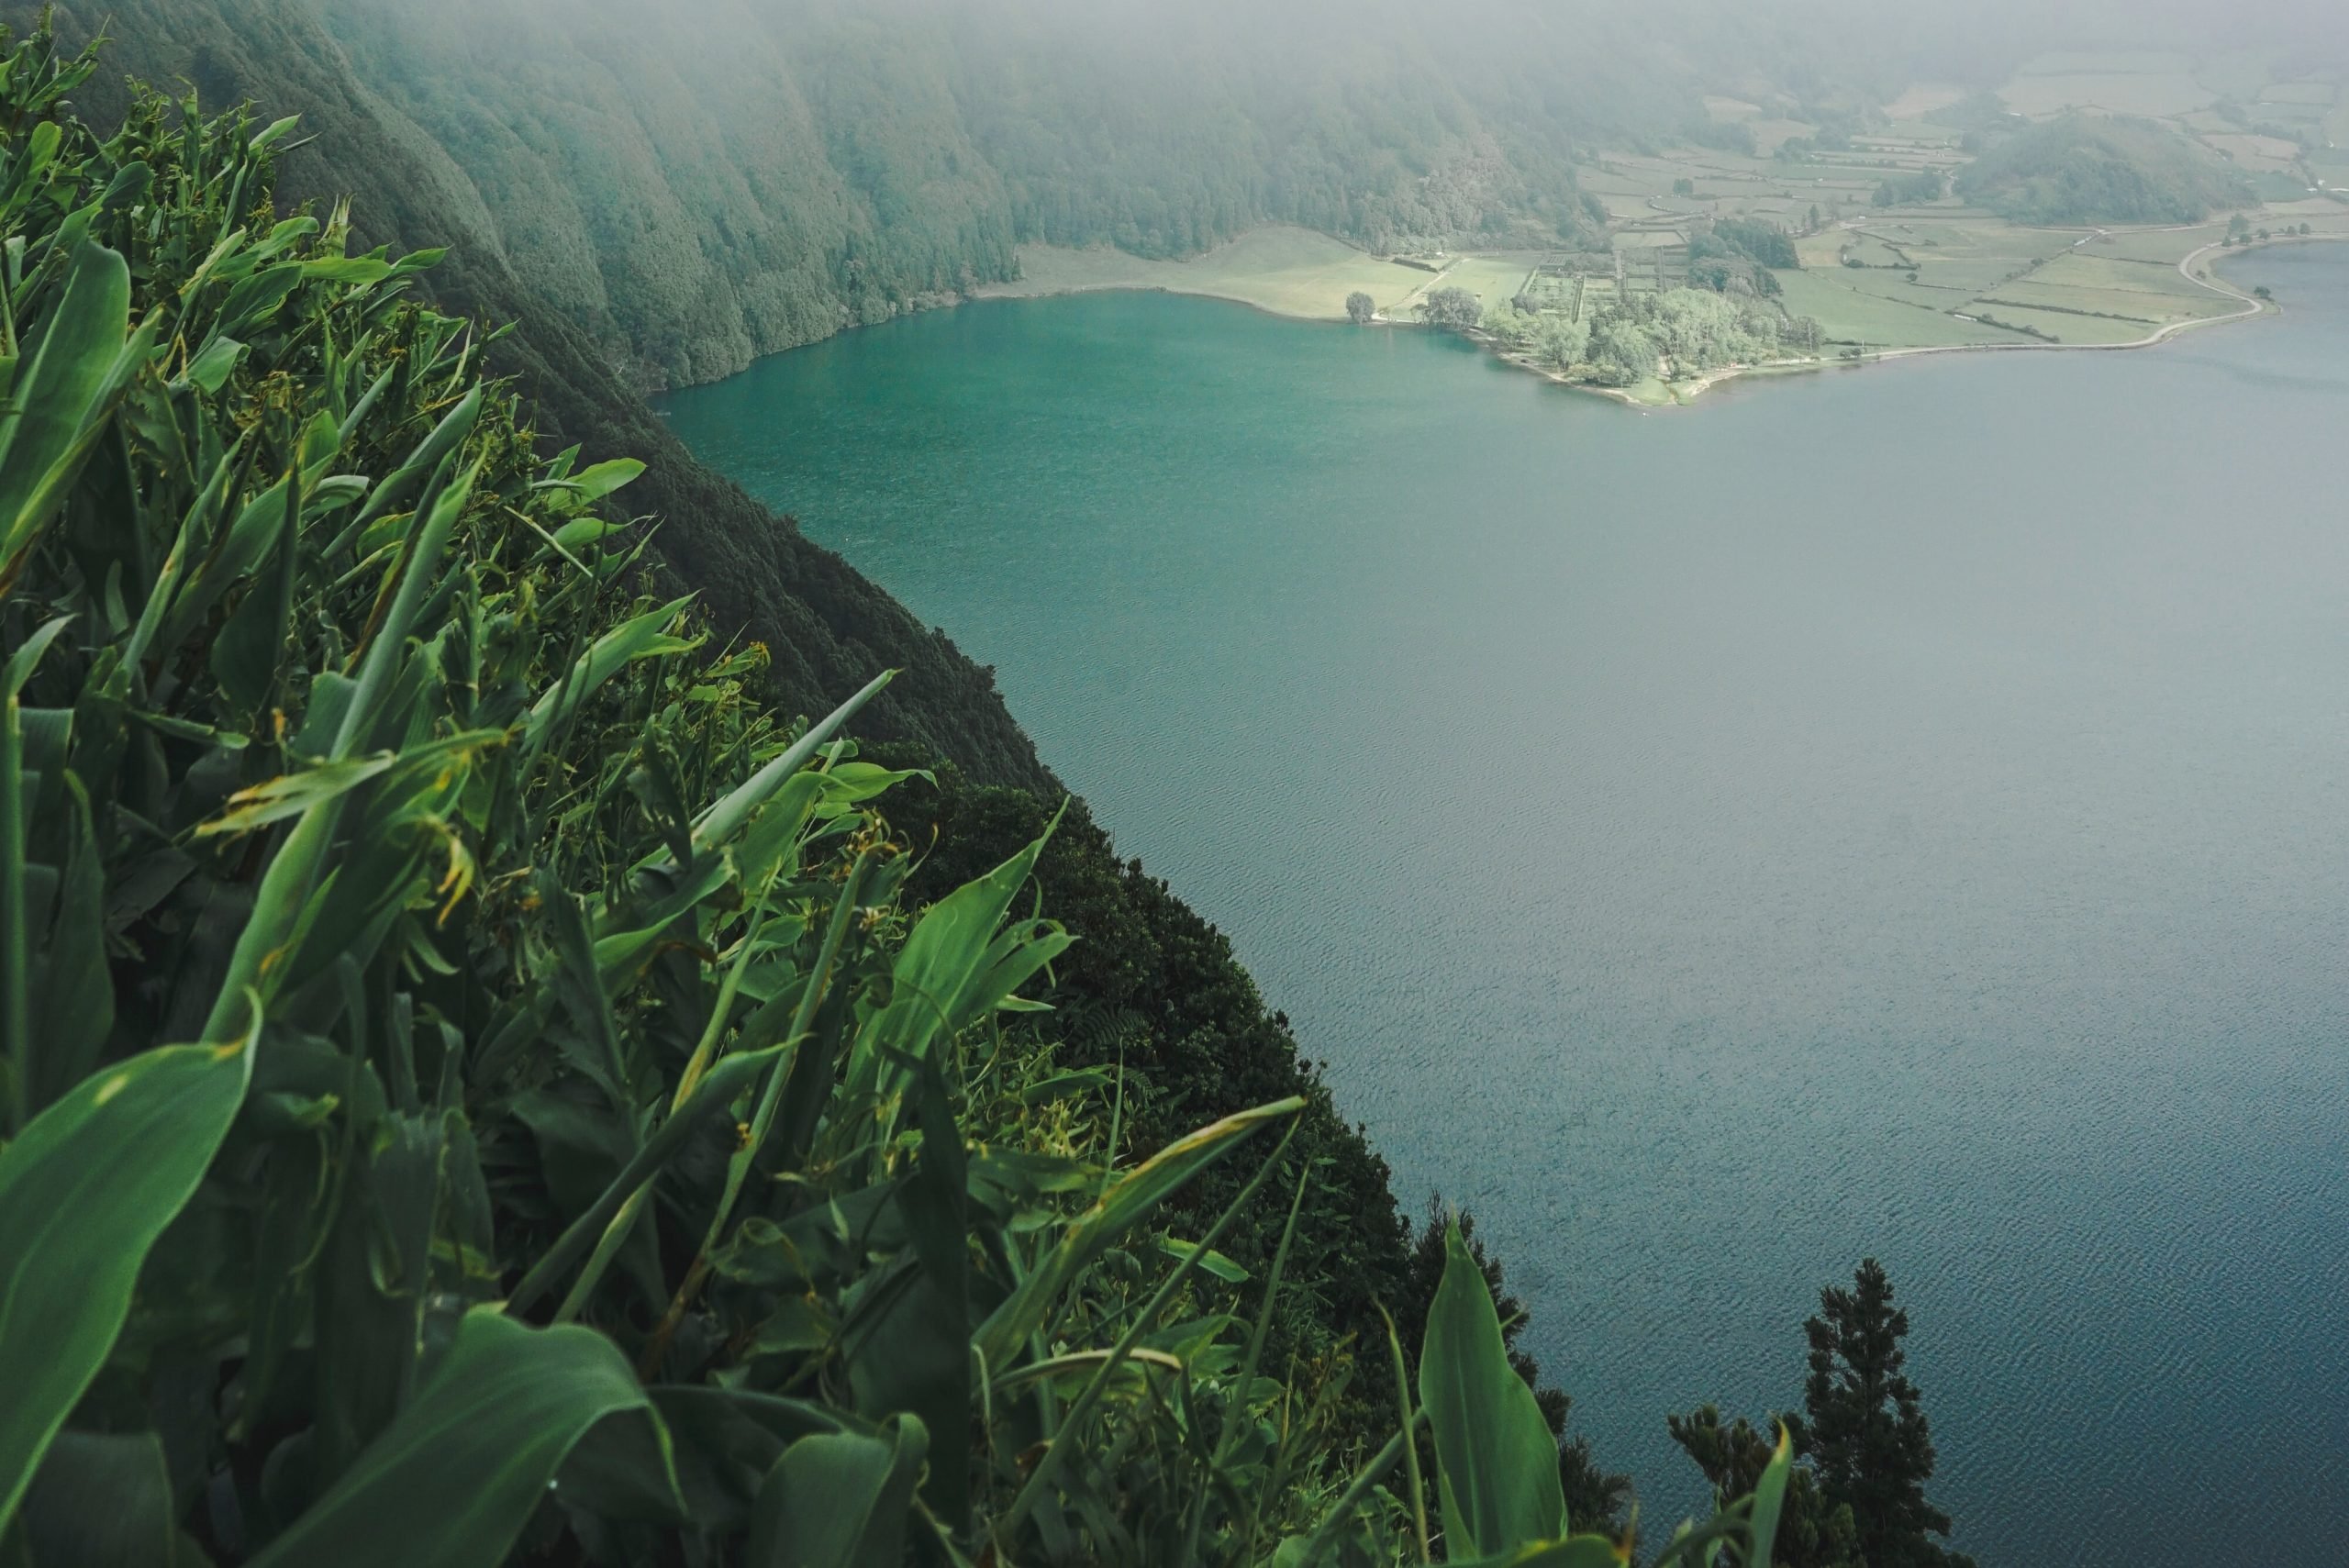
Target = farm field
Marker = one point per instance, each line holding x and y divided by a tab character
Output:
1848	314
1290	272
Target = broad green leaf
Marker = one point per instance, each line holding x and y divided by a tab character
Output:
19	668
1770	1500
954	967
455	1476
84	1194
591	485
210	370
645	637
58	389
1210	1262
1497	1461
839	1500
348	269
717	1088
289	795
274	132
257	298
1134	1198
101	1500
722	820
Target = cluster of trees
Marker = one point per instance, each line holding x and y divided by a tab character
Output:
2240	232
1859	1501
1911	190
2093	169
1735	255
1679	333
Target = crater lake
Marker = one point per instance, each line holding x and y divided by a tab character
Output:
1896	813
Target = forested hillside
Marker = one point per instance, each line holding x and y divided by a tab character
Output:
2095	169
1155	989
826	626
695	188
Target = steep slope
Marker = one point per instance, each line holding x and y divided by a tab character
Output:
696	186
830	627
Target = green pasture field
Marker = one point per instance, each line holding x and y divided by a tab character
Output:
1923	294
1290	272
1847	315
2258	153
1494	278
2066	329
2143	312
2170	245
2089	269
1870	251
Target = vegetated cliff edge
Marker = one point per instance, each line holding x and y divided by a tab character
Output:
1153	990
693	186
828	627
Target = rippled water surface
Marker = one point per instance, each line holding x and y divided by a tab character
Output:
1903	812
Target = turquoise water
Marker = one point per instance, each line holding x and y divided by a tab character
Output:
1903	812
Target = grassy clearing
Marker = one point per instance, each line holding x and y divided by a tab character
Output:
1491	279
1850	316
1290	272
2063	328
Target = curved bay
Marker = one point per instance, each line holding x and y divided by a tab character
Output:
1899	812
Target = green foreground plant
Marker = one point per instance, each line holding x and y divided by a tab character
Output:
582	1152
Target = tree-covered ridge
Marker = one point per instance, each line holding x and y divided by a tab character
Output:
590	1147
826	626
693	189
2093	169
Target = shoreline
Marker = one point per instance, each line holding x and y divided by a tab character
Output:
1684	394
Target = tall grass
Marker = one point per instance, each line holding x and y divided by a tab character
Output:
579	1151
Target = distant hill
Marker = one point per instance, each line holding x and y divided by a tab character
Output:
2085	169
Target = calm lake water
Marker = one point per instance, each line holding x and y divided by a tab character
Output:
1903	812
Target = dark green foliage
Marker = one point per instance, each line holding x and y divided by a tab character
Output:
1595	1496
825	626
1454	309
1736	255
1857	1501
1910	190
1758	240
1733	1457
1155	992
1360	308
2090	168
1864	1428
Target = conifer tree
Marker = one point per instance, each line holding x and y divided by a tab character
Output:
1865	1431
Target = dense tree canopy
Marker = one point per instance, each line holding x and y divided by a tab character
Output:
2093	169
